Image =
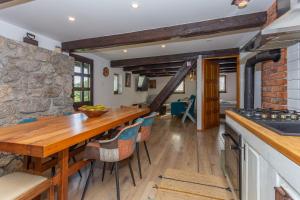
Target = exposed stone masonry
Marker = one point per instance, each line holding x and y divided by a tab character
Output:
33	82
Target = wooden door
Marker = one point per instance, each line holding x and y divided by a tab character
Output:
211	102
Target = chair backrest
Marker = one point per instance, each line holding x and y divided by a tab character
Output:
27	120
149	120
127	139
146	127
67	113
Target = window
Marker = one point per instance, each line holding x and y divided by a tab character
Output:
222	84
180	89
117	84
82	81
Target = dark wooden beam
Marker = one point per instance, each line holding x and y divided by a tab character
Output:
156	70
172	85
228	65
159	75
204	28
163	75
225	60
172	58
11	3
174	65
228	71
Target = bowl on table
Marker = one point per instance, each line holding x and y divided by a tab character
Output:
93	111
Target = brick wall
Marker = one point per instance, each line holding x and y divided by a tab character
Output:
274	76
274	83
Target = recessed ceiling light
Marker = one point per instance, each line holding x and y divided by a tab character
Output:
71	19
240	3
135	5
125	51
163	46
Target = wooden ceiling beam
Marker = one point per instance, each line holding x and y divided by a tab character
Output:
174	65
173	58
228	65
203	28
156	70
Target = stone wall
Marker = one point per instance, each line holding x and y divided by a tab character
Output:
33	82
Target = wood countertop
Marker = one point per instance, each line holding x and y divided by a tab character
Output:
286	145
48	136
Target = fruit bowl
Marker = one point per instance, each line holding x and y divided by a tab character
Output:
93	111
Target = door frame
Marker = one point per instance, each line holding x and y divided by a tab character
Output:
238	80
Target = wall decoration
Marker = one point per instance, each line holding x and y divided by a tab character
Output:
105	72
152	84
30	39
127	80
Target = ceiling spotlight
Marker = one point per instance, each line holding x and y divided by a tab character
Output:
125	51
240	3
71	19
163	46
135	5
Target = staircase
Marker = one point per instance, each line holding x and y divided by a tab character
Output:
168	90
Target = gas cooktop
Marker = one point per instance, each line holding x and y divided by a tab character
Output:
283	122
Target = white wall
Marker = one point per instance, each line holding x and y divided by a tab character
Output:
230	94
293	77
190	88
103	86
16	33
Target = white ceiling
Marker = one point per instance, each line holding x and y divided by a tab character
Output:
107	17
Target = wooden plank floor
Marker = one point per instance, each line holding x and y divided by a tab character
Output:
182	184
173	145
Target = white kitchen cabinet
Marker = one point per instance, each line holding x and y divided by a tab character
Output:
250	174
264	168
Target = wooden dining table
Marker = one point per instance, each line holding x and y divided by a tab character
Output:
56	135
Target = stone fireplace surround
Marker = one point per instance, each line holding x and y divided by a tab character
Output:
33	82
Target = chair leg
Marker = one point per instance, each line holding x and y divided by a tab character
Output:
53	171
88	180
148	155
79	172
103	171
138	158
112	168
131	172
117	180
51	193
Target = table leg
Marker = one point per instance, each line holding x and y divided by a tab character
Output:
64	170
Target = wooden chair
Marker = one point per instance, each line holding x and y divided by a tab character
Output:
187	112
143	137
24	186
119	148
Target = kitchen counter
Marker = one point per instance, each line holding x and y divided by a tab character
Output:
289	146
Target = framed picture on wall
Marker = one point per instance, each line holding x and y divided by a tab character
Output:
152	84
127	80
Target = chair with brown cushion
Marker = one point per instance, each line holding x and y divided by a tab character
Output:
114	150
144	136
24	186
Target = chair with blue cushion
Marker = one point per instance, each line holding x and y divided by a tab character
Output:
178	108
144	136
114	150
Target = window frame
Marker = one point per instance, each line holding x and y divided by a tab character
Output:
82	89
120	84
225	83
180	92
